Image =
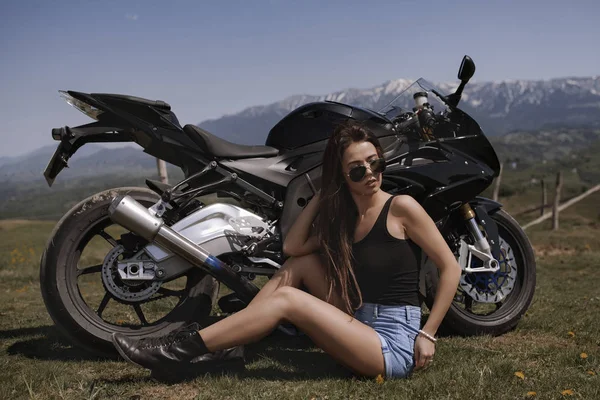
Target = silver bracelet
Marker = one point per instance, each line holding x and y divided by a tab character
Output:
427	335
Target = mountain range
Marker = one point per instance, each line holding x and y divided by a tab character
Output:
517	107
499	107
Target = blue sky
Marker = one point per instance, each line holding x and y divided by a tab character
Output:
213	58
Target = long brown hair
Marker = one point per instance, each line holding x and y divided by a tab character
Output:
336	221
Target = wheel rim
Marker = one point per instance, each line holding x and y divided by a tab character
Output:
104	310
513	276
491	287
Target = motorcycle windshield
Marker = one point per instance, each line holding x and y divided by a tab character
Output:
405	102
454	127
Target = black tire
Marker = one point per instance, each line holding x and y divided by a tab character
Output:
505	318
63	299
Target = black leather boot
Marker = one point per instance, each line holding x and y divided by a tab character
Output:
178	348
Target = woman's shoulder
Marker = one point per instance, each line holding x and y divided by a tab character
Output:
404	206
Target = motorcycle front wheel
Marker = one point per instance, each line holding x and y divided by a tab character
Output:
492	304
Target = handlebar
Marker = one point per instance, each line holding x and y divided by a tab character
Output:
427	121
421	121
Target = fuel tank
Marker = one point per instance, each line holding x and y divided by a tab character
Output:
316	121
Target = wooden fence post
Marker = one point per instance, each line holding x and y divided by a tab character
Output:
497	186
162	170
556	201
544	198
563	206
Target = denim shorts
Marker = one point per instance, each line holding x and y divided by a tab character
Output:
397	328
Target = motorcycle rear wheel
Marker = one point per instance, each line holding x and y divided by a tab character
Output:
69	306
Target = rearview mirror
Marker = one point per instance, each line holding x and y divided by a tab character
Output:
466	70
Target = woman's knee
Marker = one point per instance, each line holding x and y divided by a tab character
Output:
288	299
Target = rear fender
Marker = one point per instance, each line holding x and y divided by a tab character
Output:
489	205
71	139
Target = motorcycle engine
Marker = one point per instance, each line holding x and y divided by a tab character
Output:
219	228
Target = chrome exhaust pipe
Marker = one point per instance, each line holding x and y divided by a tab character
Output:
130	214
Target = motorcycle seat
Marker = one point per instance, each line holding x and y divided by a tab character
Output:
223	149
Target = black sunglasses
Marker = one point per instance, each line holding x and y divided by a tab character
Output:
357	173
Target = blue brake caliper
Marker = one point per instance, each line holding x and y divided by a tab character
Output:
488	282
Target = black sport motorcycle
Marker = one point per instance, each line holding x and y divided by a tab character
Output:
169	248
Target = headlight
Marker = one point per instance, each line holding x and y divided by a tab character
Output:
85	108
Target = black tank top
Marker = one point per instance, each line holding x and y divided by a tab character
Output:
387	268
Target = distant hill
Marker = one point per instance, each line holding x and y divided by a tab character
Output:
35	199
530	157
532	147
40	157
89	160
25	192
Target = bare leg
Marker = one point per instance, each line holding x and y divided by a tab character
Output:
297	271
348	340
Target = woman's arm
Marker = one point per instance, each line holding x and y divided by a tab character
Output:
298	241
422	230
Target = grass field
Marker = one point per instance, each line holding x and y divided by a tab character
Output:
554	353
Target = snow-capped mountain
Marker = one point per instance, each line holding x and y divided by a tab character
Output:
499	107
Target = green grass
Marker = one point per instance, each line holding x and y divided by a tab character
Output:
562	323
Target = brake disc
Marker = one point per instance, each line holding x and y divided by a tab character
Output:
486	287
129	291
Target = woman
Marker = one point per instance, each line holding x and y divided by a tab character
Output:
363	262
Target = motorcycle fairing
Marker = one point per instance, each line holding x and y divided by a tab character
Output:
472	141
278	170
314	122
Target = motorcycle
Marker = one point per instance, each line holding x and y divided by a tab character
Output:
170	249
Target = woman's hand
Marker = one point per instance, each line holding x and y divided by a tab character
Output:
424	350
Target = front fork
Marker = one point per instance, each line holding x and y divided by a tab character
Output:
481	249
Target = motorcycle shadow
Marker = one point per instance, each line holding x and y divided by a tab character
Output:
276	357
283	357
50	346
